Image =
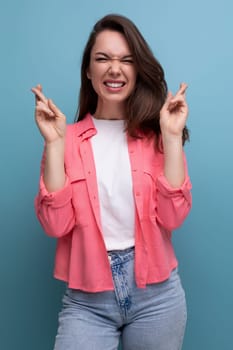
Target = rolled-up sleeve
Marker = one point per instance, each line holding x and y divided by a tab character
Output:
173	204
54	210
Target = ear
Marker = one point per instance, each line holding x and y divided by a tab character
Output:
88	74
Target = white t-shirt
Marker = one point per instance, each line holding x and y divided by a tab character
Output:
114	181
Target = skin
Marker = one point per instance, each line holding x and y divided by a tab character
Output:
173	116
111	63
51	123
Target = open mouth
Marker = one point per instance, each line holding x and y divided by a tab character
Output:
114	85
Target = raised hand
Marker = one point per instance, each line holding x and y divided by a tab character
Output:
49	119
174	113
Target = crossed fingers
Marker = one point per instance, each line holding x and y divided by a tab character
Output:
42	103
178	100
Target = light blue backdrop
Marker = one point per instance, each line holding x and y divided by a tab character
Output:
42	42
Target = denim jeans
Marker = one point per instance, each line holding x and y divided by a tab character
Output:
143	318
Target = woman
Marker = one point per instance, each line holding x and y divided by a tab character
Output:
113	186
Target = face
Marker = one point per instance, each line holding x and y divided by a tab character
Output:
112	70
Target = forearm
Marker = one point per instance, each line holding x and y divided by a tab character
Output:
54	171
174	167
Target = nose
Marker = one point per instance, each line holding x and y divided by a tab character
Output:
115	66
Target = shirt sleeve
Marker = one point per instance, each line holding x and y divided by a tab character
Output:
54	210
173	204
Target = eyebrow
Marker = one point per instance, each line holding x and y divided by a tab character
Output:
106	55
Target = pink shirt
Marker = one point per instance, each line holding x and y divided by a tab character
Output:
72	214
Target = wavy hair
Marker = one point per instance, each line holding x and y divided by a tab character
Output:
145	102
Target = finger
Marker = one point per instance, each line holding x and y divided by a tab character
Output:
39	95
178	99
55	109
39	87
182	89
41	107
45	111
180	95
177	102
36	98
168	99
169	96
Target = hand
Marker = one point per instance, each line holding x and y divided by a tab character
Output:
49	119
174	113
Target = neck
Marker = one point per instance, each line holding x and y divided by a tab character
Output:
110	111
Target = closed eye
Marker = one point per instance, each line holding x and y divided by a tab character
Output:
127	60
102	59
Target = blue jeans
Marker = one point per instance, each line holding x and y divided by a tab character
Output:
144	319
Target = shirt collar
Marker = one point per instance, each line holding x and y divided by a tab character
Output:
86	127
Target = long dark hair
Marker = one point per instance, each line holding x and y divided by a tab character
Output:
144	104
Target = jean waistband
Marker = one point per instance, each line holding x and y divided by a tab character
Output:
120	256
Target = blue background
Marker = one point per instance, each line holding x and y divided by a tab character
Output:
42	42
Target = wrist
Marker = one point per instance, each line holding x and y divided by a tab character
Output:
55	151
55	144
173	139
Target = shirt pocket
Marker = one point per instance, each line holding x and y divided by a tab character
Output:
150	174
80	198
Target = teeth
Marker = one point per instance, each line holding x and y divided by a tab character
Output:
115	85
